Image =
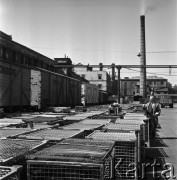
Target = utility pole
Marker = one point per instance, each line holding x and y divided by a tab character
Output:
118	84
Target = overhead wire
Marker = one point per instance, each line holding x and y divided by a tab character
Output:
151	72
101	50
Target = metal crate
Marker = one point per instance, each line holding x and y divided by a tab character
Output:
53	134
14	150
4	122
80	108
128	127
44	118
73	159
113	111
146	126
82	116
96	121
135	114
35	126
12	132
126	151
10	173
83	126
130	122
136	117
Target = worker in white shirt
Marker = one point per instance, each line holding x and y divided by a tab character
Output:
153	110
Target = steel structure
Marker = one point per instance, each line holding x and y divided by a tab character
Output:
119	67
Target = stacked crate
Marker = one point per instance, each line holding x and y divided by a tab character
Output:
83	126
125	152
13	151
96	121
10	173
4	122
141	118
115	127
53	134
12	132
87	128
73	159
80	108
134	122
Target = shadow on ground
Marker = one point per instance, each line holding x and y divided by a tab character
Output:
153	163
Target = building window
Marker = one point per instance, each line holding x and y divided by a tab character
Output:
14	56
99	76
5	54
100	86
154	82
83	75
161	82
22	59
35	61
125	88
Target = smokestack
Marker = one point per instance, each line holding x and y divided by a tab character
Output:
142	57
101	66
113	71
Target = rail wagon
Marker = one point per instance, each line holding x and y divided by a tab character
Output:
14	86
90	93
24	87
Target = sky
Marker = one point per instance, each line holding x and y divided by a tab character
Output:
94	31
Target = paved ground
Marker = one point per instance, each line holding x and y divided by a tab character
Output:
164	147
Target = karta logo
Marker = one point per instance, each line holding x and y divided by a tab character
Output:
140	171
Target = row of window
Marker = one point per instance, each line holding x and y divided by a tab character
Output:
24	59
99	76
157	82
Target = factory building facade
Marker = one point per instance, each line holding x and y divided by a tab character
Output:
100	78
131	86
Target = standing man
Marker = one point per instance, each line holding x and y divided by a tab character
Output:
153	110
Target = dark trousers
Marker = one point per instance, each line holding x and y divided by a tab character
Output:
152	127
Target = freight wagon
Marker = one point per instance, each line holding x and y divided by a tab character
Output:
90	94
103	97
23	87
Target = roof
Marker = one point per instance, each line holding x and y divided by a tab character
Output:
162	89
148	78
22	47
80	64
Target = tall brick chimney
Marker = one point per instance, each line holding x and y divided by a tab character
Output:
142	57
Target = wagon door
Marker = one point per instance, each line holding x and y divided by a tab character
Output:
36	88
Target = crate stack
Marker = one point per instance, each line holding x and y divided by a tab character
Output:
87	128
10	172
126	151
141	133
115	127
73	159
83	126
96	121
53	135
13	132
13	151
145	124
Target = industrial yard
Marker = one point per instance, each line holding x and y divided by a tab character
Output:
101	143
88	90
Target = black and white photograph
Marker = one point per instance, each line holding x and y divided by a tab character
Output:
88	89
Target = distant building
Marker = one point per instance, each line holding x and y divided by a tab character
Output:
65	64
131	86
99	77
